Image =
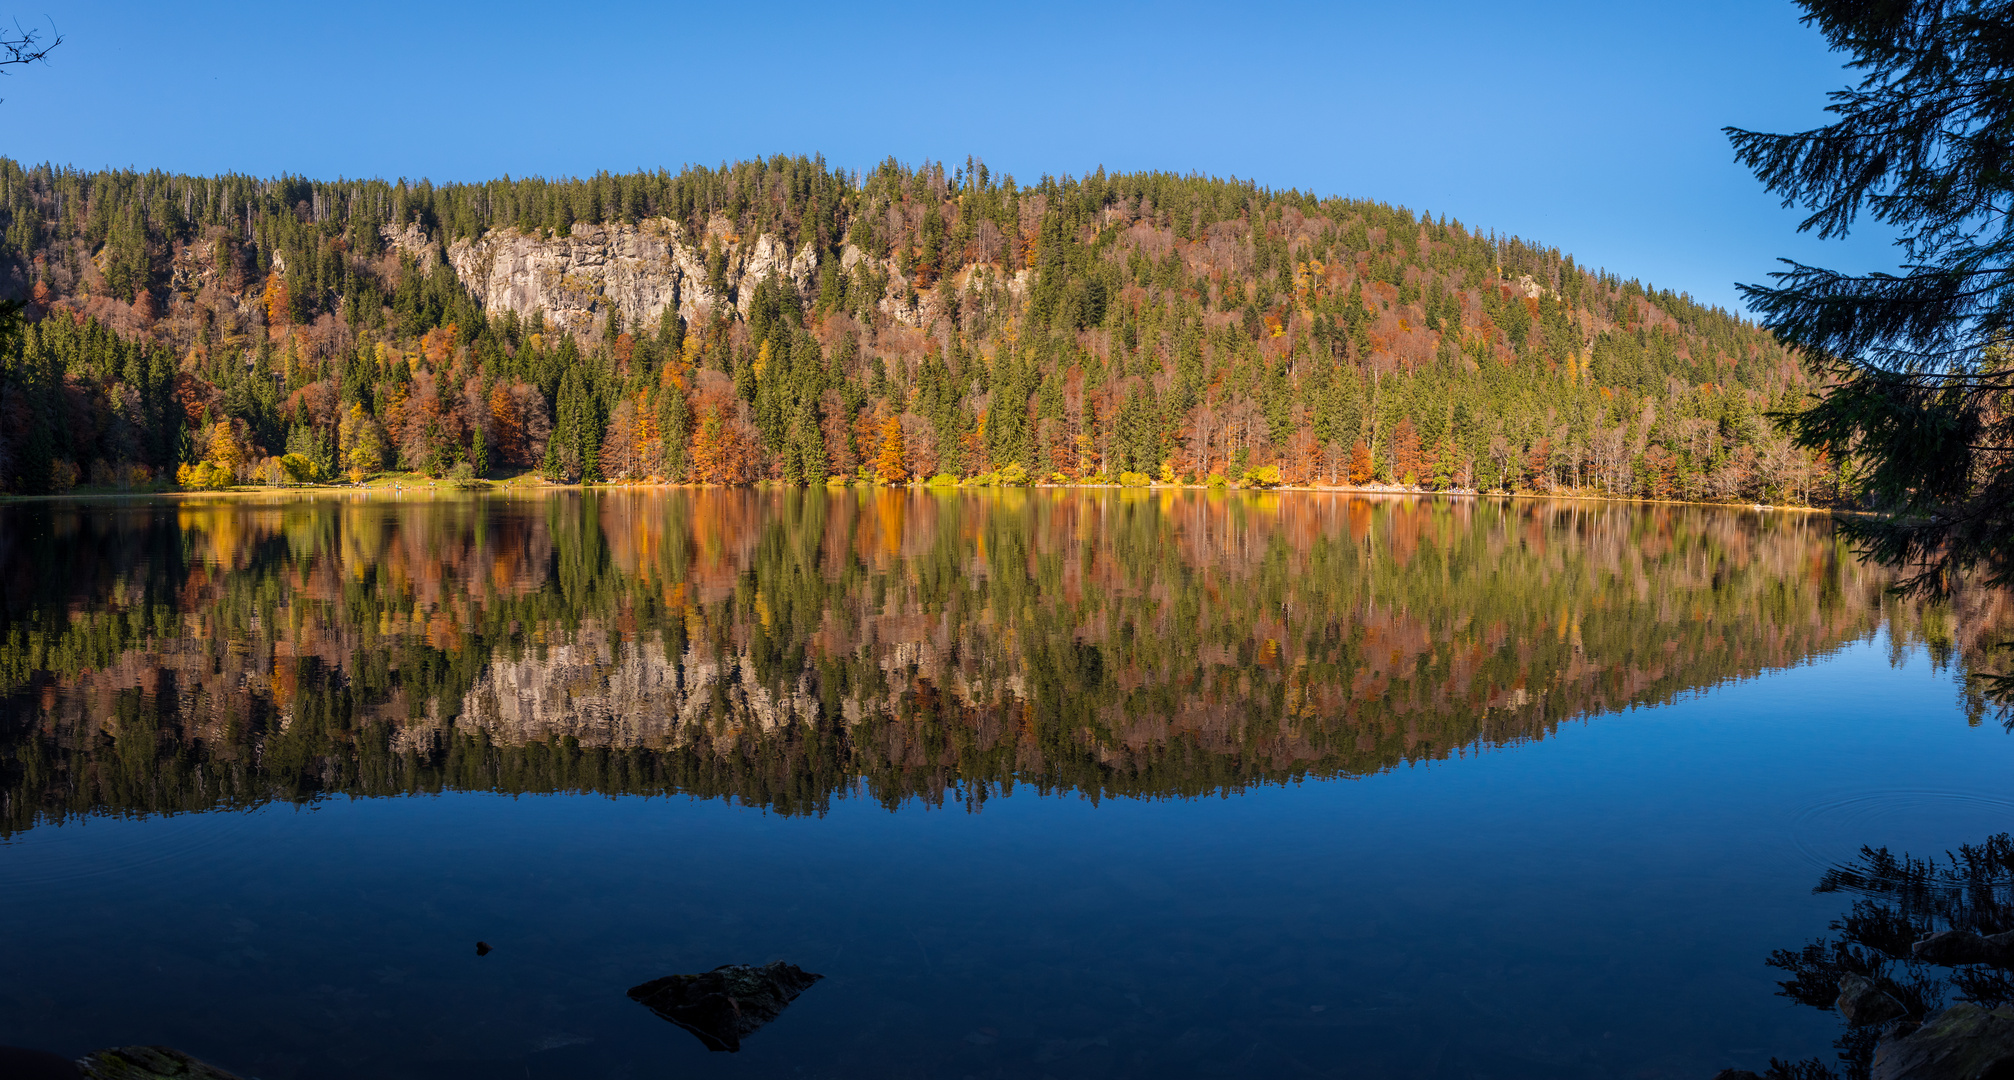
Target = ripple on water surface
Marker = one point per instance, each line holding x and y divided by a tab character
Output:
84	848
1829	833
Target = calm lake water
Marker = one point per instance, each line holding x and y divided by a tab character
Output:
1045	784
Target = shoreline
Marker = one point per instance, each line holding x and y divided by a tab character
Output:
519	484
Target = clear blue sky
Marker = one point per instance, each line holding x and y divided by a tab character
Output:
1591	127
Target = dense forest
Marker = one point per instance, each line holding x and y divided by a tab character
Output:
785	648
788	321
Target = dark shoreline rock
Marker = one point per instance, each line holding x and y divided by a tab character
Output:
1964	1042
147	1063
726	1005
116	1063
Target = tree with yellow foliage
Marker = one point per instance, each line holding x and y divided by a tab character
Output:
225	453
363	449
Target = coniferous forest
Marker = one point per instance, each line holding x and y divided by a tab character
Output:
784	320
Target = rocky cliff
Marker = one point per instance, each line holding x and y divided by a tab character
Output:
645	269
640	270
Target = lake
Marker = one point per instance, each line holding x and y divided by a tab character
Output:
1044	783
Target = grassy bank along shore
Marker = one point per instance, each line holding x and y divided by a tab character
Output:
532	482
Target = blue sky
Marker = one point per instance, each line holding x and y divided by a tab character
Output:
1591	127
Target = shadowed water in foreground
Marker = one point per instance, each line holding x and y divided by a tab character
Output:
1044	783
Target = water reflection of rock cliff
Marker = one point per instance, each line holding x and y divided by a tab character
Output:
782	647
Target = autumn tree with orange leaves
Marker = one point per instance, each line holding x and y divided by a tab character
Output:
891	465
277	301
724	449
1362	470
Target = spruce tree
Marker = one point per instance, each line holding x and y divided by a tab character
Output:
1917	364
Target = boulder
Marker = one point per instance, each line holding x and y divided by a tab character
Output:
1735	1074
1900	1029
1864	1002
147	1063
726	1005
1964	1042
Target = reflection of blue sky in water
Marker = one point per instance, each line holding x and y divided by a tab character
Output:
1595	904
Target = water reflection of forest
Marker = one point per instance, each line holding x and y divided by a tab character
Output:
785	647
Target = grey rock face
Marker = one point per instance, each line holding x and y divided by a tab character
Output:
1964	1042
768	258
635	269
640	270
412	241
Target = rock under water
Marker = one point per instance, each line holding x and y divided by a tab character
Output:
725	1005
1863	1002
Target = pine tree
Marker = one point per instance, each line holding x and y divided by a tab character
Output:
674	425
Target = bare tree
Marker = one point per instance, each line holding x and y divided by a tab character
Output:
1500	455
27	46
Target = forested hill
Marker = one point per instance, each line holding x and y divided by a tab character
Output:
785	320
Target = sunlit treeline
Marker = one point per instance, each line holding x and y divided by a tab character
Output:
786	647
787	321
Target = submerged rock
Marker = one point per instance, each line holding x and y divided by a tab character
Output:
1735	1074
147	1063
1864	1002
725	1005
1964	947
1964	1042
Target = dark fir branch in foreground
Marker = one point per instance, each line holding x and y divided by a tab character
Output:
1915	365
782	320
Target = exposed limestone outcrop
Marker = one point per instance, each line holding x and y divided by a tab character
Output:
412	242
767	258
640	270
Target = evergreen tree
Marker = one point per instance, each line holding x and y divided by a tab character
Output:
1917	365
